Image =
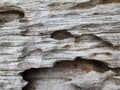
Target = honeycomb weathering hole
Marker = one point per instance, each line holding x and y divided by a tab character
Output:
88	37
55	77
10	13
61	34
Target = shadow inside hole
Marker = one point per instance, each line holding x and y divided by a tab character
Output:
10	13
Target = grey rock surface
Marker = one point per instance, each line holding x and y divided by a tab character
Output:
66	42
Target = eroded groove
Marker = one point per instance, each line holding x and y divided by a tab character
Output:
104	44
88	4
79	5
62	72
108	1
52	5
10	13
92	3
61	34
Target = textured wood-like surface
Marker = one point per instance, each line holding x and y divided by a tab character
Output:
40	33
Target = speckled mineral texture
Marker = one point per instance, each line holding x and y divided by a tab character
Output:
59	44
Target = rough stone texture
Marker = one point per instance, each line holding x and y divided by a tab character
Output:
60	44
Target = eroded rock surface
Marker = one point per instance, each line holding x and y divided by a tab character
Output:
71	44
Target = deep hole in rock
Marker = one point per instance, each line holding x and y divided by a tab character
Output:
61	34
54	77
10	13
